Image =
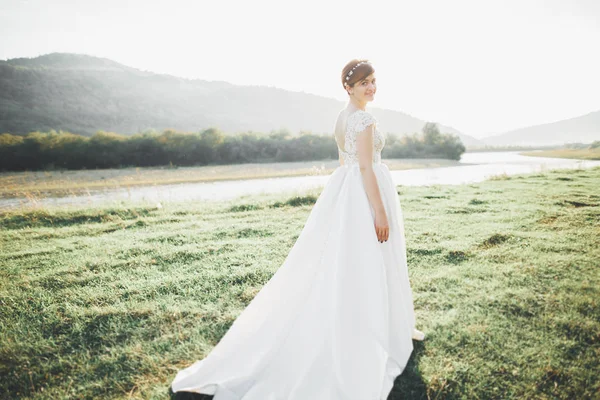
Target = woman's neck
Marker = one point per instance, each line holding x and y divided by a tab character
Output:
360	106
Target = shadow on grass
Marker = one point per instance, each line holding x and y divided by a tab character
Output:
495	240
43	219
296	201
456	256
409	385
188	396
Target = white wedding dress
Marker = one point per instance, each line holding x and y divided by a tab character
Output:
335	321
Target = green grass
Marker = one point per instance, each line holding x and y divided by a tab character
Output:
112	302
581	154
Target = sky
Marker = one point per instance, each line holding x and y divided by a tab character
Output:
481	66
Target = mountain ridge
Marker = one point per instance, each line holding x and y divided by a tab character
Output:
584	128
101	94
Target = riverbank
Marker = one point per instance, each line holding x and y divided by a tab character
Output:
112	302
581	154
40	184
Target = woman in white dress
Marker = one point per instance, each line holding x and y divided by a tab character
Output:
336	320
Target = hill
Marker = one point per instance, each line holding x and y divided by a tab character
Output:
84	94
582	129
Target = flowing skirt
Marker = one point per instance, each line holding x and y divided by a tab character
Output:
334	322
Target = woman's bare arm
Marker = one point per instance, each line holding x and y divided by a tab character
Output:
364	148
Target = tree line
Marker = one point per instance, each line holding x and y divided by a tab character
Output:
64	150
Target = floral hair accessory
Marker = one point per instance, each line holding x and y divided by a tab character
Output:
353	68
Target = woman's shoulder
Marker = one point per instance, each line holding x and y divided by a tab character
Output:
361	114
367	112
360	119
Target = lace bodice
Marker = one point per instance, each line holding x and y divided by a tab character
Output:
356	122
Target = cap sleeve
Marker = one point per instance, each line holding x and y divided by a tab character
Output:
362	120
357	122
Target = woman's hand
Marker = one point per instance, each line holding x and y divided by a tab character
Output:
381	226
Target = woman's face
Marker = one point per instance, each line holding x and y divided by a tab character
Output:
364	90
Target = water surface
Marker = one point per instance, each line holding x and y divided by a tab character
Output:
477	167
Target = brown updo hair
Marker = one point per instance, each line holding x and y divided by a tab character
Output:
361	72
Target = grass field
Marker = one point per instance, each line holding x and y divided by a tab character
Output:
581	154
111	302
63	183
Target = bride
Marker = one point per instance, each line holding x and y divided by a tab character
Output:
336	320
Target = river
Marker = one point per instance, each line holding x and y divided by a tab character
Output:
477	167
